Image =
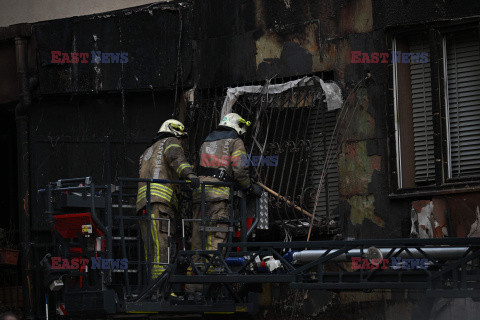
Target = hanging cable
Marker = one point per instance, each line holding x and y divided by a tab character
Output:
335	134
179	54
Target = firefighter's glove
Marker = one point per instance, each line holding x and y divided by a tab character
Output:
256	190
194	181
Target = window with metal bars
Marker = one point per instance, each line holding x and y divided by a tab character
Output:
293	125
414	110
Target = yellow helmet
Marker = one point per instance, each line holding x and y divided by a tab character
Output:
234	121
175	127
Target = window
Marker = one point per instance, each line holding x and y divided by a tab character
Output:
462	101
425	141
421	88
294	126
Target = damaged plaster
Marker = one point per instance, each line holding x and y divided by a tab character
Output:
356	168
363	207
475	227
422	220
429	217
355	165
271	46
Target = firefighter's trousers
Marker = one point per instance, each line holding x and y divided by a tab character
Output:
217	210
158	237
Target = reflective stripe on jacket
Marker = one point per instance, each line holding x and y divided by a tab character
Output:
164	160
157	190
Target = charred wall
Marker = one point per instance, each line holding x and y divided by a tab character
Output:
250	41
225	43
96	118
265	39
149	37
100	136
408	12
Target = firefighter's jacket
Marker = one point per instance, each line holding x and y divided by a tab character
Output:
222	149
166	160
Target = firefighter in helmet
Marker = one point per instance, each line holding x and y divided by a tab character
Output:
164	159
222	156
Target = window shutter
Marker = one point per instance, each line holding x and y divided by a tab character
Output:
463	104
317	131
422	115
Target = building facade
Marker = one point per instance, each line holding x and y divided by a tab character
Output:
407	164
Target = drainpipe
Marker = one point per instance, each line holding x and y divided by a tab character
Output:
179	55
21	115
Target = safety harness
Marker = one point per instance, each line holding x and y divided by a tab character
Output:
220	174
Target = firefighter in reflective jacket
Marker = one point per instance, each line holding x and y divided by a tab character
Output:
164	159
221	156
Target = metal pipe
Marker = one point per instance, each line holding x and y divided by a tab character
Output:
122	236
305	212
231	217
86	180
257	217
202	214
94	216
148	253
180	182
109	221
440	253
179	54
243	222
21	113
124	131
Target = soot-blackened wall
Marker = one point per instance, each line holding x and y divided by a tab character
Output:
91	135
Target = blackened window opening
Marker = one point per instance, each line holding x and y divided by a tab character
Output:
287	146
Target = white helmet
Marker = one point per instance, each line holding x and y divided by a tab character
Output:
173	126
234	121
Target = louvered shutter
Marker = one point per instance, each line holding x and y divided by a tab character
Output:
422	115
317	130
463	104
